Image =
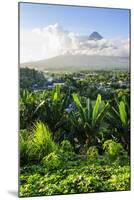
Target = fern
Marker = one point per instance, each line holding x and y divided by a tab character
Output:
42	143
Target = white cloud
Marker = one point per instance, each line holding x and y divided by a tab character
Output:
53	40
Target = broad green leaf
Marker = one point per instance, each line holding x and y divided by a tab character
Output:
103	112
56	95
96	108
81	109
88	108
115	113
76	100
41	104
123	115
64	102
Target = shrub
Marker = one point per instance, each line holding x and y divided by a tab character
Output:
92	152
51	161
115	151
24	146
23	152
66	146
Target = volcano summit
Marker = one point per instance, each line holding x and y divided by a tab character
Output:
95	36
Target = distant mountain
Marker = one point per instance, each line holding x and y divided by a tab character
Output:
95	36
79	62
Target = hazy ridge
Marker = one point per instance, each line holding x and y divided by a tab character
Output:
79	62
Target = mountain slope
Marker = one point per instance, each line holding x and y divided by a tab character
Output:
79	62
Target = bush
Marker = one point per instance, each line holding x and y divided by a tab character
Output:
92	152
24	152
24	146
66	146
115	152
51	161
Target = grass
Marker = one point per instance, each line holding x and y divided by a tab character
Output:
37	145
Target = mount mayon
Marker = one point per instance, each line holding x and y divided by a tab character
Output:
77	62
95	36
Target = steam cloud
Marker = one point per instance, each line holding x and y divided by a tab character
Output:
53	40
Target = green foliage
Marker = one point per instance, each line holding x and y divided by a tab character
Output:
87	120
120	181
123	114
118	119
27	107
76	176
95	123
35	144
66	146
77	101
56	94
115	152
51	161
112	147
25	146
92	152
42	143
23	150
96	109
52	110
24	134
30	77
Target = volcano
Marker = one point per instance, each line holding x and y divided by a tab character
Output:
95	36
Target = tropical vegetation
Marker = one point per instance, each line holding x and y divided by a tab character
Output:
74	137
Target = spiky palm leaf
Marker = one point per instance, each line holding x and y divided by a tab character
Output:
87	119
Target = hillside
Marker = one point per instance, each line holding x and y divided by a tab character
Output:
79	62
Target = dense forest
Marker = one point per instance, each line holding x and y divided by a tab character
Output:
74	132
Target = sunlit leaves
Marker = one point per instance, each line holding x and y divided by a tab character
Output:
96	108
123	114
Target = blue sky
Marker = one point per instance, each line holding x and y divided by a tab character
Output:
109	23
51	30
